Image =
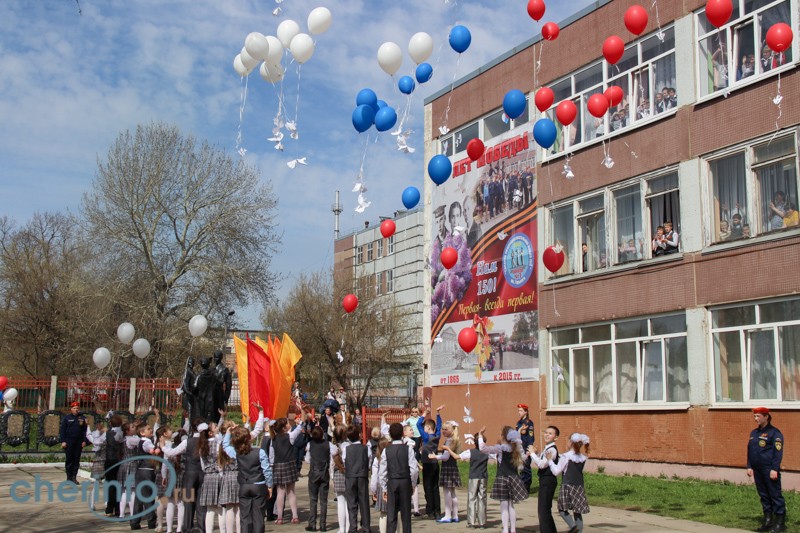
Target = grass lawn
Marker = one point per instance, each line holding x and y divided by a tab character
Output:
719	503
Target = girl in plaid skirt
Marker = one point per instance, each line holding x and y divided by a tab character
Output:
98	440
208	446
449	477
337	473
572	495
284	467
175	500
229	488
163	438
127	471
508	487
375	486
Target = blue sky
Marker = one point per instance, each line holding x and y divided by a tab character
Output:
70	83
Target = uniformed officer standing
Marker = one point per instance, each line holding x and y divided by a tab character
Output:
73	439
764	455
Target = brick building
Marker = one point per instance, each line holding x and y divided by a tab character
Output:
659	357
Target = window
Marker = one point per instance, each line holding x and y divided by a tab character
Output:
616	225
391	245
737	52
379	283
390	281
631	362
759	179
370	248
380	248
646	75
359	255
756	351
457	142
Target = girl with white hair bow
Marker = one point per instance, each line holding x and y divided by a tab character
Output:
508	487
572	495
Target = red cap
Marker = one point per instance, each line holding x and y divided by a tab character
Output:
74	404
761	410
522	406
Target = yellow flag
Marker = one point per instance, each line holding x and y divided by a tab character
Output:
290	356
241	368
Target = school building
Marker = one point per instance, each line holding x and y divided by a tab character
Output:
658	350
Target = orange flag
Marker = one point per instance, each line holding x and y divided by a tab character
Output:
258	371
290	356
240	347
274	373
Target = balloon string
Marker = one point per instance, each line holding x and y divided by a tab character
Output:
450	96
243	100
297	101
552	207
659	33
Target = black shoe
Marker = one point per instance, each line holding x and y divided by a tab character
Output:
766	524
311	528
136	527
416	514
780	523
271	517
323	527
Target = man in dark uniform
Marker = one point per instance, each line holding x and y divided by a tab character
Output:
526	432
73	439
764	455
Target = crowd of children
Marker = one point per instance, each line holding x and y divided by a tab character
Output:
223	480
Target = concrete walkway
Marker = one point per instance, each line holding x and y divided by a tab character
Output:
59	517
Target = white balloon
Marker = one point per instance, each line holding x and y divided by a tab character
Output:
9	395
271	73
102	357
319	20
239	67
390	57
420	47
286	31
257	46
248	61
126	332
275	50
141	348
198	325
302	47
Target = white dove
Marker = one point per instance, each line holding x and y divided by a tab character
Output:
276	11
444	130
242	151
608	162
279	147
568	171
294	162
438	338
363	204
560	371
277	137
467	418
339	356
502	235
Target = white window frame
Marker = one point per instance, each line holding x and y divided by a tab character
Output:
360	254
613	343
370	251
390	246
380	248
732	55
379	283
389	281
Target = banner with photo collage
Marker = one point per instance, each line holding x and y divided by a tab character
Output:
486	211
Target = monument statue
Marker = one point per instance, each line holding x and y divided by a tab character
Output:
187	400
225	381
207	390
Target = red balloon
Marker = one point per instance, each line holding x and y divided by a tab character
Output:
613	49
553	259
598	105
550	31
614	95
467	339
544	99
3	382
449	258
566	112
718	12
536	9
350	303
636	19
779	37
387	228
475	149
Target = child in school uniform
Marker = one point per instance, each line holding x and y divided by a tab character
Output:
396	470
126	476
208	448
508	488
229	483
254	477
430	432
337	473
318	455
284	467
145	471
97	438
375	488
547	480
174	501
356	472
572	495
449	477
478	481
411	441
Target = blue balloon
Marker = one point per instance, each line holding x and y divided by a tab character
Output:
544	132
406	85
363	118
514	103
367	97
410	197
424	72
460	39
1	392
439	168
381	104
385	119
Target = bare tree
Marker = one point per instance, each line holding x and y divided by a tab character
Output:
184	228
360	351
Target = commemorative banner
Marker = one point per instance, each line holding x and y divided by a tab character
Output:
487	212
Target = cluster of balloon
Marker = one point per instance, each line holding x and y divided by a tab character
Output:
440	168
388	227
410	197
7	394
553	258
449	257
125	333
370	111
350	302
467	339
